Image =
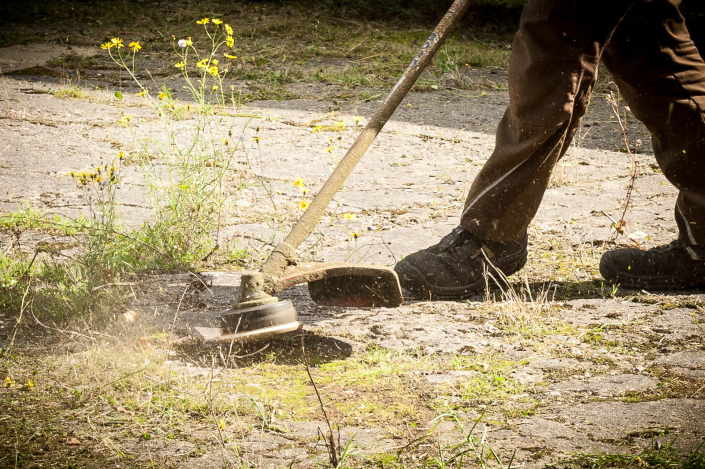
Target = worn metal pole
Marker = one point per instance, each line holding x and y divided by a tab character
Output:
286	250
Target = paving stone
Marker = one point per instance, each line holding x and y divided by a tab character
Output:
614	421
608	385
694	360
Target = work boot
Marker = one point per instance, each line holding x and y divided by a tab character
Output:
668	267
455	267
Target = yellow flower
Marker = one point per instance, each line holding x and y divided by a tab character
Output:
107	45
340	125
230	56
121	155
180	65
354	235
303	205
213	71
256	139
143	92
162	95
217	21
349	216
189	42
117	42
29	384
8	382
134	46
215	87
228	30
124	120
357	120
203	21
215	61
316	129
230	41
408	104
221	422
329	149
202	64
299	182
224	141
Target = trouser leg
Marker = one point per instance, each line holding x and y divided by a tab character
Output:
662	77
551	75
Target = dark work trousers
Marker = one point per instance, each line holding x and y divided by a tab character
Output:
647	49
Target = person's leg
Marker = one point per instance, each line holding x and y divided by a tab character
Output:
551	74
662	77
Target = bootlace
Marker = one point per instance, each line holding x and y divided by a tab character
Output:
460	240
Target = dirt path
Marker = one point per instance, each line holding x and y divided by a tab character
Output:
582	369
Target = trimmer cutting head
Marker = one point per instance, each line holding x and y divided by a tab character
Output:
262	315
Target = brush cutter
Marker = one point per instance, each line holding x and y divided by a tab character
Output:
259	314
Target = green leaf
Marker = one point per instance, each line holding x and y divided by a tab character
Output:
118	95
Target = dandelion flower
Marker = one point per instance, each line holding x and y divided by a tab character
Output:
299	182
228	30
134	46
143	92
316	129
303	205
215	61
213	70
217	21
202	64
203	21
215	87
349	216
182	43
180	64
107	45
162	95
230	41
121	155
230	56
117	42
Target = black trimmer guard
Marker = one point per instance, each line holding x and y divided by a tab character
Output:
351	285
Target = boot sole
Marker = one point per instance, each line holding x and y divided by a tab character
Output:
660	283
420	286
